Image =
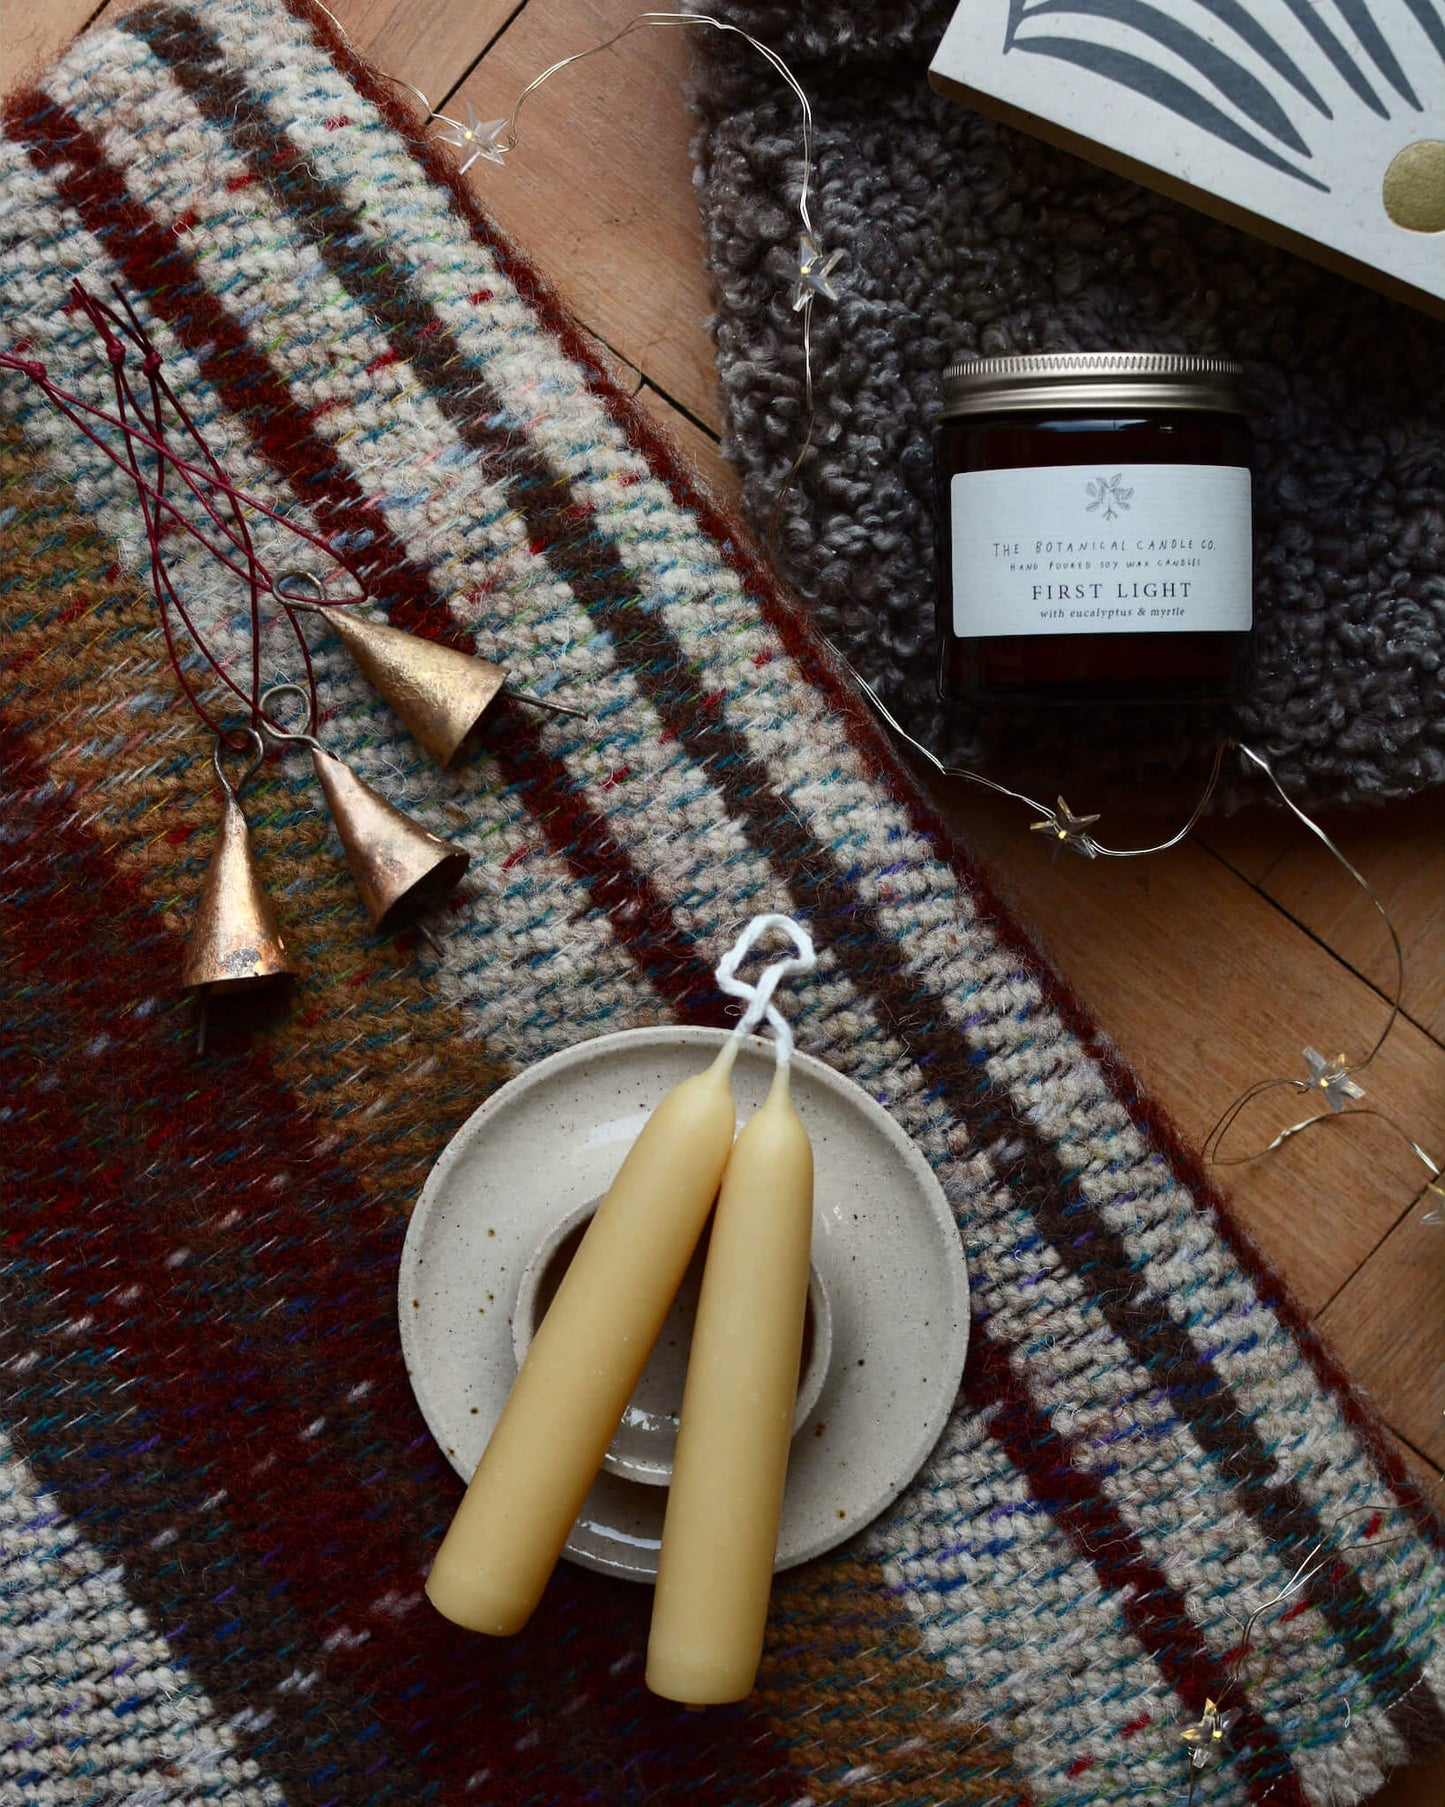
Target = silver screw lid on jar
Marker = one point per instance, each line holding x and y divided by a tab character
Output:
1092	379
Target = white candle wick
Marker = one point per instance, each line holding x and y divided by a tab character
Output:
759	997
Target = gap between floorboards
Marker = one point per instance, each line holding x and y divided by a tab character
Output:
1319	941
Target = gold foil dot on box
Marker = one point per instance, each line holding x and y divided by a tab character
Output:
1414	186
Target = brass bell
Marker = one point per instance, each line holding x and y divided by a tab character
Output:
400	868
440	693
235	943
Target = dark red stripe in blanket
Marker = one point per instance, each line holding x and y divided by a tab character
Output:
259	1347
805	646
155	1502
156	266
586	842
641	639
1149	1605
674	689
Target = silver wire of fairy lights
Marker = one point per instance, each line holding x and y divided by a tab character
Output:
490	141
1208	1738
1329	1079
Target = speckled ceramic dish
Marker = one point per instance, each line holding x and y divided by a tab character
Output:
884	1246
646	1439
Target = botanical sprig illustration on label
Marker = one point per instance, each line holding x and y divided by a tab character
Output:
1109	493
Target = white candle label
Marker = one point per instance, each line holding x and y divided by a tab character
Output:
1102	549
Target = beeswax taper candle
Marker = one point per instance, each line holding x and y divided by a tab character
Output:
720	1533
586	1358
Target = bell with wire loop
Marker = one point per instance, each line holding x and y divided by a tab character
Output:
235	943
441	694
401	869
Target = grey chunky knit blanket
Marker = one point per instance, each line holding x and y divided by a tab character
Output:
962	236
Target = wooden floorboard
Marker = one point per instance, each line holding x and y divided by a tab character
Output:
1206	987
1209	967
32	31
1425	1471
428	46
1391	1321
1400	849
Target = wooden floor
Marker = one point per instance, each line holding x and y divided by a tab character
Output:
1211	966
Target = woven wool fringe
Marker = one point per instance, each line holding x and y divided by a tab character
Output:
217	1499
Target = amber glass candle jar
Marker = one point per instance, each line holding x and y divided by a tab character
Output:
1094	533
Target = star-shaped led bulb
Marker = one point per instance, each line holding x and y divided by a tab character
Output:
1209	1735
814	272
482	139
1332	1078
1069	830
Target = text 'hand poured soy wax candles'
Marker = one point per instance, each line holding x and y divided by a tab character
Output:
592	1345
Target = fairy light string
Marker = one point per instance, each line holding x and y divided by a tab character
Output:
139	435
492	141
1329	1078
1209	1738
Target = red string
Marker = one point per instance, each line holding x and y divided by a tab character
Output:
147	423
164	589
126	400
158	387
